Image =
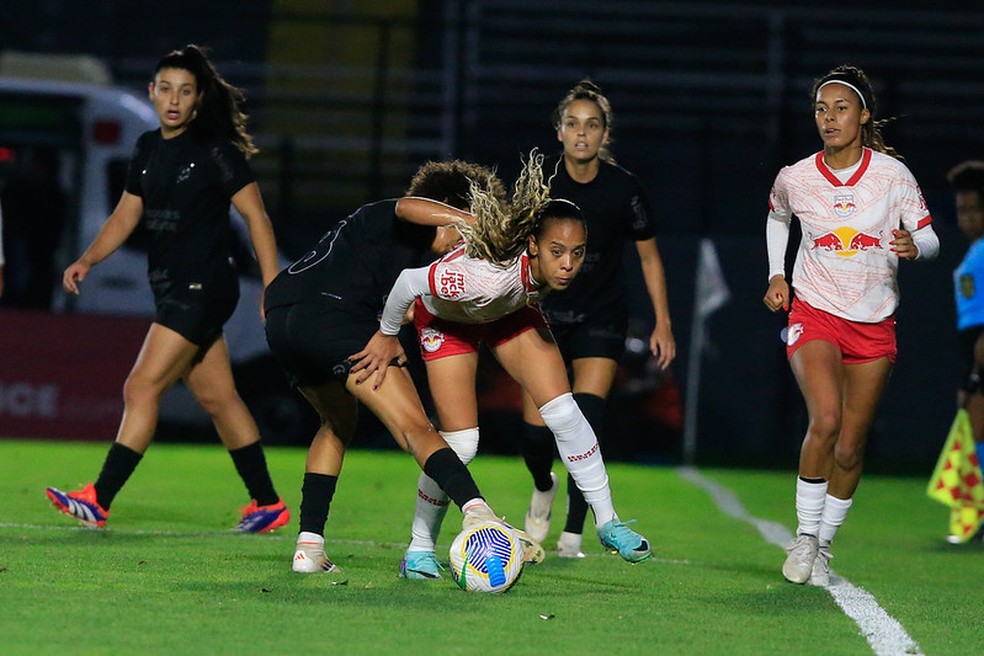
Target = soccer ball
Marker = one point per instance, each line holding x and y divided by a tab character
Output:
486	558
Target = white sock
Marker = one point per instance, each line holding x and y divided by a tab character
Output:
310	538
432	503
809	506
834	513
580	453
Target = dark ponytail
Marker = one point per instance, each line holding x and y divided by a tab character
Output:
218	115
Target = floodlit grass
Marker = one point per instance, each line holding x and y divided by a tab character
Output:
168	576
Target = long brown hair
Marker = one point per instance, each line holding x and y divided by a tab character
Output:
218	115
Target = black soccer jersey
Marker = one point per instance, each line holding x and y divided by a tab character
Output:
354	265
615	209
186	188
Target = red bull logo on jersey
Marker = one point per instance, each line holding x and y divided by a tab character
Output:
431	339
846	242
844	205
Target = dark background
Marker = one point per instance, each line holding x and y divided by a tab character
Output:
710	98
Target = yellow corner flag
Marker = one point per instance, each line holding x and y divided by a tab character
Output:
956	481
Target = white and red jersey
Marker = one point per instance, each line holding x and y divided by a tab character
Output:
462	289
845	264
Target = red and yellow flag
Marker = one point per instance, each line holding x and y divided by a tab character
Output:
956	481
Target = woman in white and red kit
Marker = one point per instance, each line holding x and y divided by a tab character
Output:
861	211
487	291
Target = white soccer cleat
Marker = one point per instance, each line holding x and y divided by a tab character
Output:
820	575
569	545
537	523
310	556
480	513
800	557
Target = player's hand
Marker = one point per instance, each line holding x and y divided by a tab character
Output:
376	357
777	296
903	246
662	345
74	275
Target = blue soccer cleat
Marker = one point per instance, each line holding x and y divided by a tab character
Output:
262	519
420	565
81	505
616	536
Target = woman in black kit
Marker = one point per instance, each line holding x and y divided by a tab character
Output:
181	181
324	308
589	319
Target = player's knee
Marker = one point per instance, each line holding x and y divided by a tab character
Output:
848	458
216	401
463	442
139	389
561	414
825	425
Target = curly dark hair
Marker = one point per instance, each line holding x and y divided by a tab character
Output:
451	182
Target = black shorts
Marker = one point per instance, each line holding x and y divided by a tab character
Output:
312	342
197	312
597	337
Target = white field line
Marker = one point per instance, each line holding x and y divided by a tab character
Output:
883	632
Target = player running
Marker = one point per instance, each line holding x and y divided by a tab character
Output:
181	181
841	334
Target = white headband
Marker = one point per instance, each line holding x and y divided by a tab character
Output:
850	86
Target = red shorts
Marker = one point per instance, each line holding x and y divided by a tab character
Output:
858	342
441	339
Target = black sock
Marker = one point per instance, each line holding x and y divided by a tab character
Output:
538	447
447	470
251	465
593	408
316	495
119	464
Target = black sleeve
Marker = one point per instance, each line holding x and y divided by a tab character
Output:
231	167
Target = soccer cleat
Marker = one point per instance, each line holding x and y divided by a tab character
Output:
799	559
820	574
420	565
537	523
616	536
480	513
569	545
310	558
262	519
81	505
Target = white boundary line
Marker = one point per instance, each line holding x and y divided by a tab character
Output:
883	632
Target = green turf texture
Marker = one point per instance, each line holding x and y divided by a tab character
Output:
168	576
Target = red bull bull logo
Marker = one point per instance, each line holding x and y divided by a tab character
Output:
844	205
846	242
431	340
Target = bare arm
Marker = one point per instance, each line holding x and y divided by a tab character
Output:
249	203
113	233
424	211
661	342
